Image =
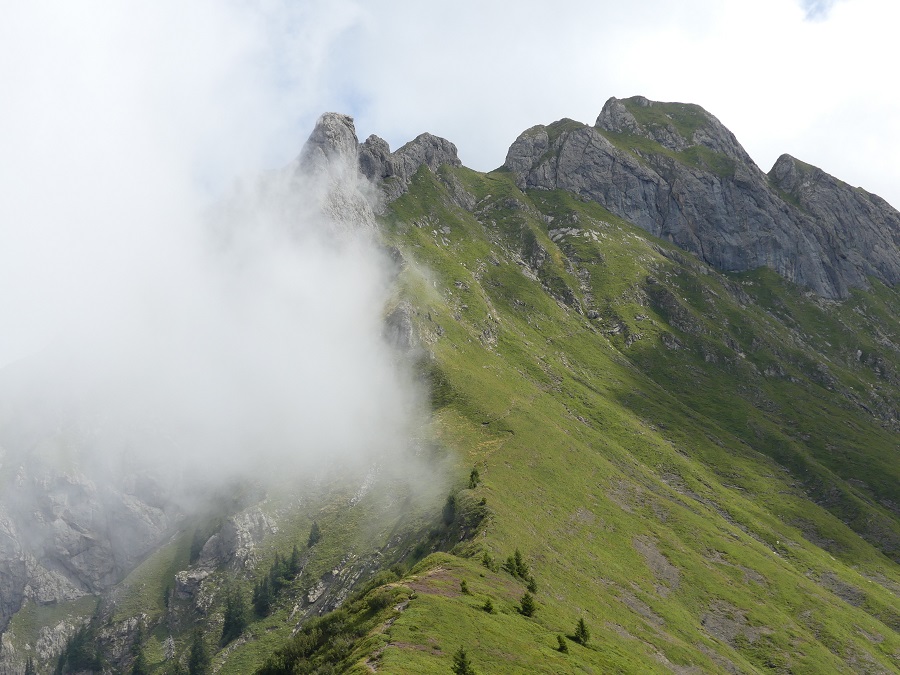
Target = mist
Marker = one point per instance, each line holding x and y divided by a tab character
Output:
175	299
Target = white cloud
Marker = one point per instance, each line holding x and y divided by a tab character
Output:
122	124
163	103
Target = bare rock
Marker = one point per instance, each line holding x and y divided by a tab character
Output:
392	172
701	191
237	541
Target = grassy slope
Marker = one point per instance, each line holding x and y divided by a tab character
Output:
692	469
665	495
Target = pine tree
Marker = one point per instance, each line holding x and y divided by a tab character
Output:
582	634
563	646
235	615
262	597
139	666
521	566
314	535
463	587
488	606
199	660
29	667
474	478
527	605
449	513
295	561
461	663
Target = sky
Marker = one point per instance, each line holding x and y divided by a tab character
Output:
121	122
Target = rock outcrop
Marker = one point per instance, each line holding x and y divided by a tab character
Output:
676	171
325	180
393	171
62	536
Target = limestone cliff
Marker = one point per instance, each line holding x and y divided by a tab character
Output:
676	171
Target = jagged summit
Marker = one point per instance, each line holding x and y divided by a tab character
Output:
332	139
333	149
676	171
394	170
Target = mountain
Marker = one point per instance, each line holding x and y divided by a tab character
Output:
675	171
663	392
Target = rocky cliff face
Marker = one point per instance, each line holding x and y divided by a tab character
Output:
393	171
676	171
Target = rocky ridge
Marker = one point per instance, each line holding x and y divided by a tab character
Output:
393	171
676	171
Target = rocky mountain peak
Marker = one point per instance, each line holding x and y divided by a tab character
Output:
394	171
333	140
329	176
676	171
676	126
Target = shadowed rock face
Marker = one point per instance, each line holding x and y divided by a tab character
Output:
677	172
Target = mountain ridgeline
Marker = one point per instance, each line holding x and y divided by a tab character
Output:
665	387
675	171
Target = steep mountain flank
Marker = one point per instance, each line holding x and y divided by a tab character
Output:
654	466
676	172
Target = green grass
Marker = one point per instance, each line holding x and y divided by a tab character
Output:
699	465
685	117
696	156
609	446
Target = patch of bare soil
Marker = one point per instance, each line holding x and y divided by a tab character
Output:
664	571
726	622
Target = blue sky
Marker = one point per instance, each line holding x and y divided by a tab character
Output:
119	118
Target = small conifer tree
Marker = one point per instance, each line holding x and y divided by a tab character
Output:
139	666
295	561
199	660
236	612
314	535
521	566
474	478
488	606
527	605
582	634
563	645
449	513
461	663
262	597
463	587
